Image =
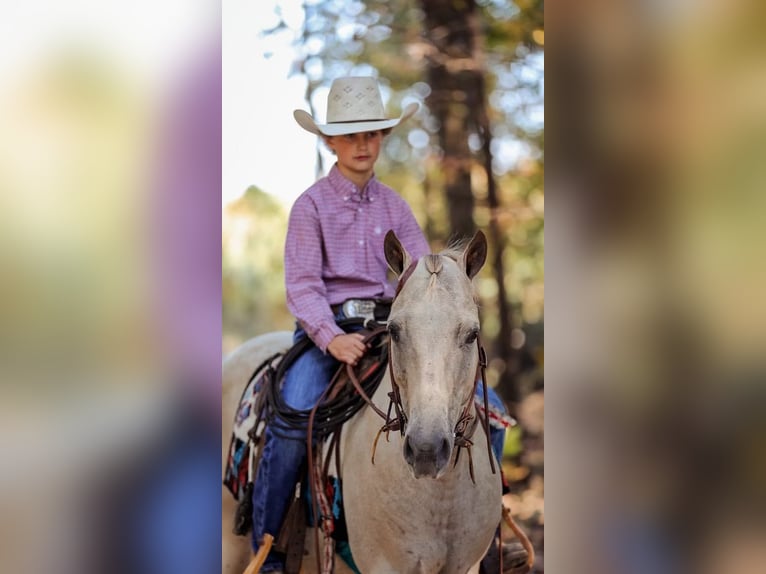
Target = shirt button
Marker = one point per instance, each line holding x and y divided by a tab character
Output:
345	198
361	242
359	209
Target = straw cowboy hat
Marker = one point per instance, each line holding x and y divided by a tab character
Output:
354	105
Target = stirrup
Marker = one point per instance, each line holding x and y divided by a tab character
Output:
260	557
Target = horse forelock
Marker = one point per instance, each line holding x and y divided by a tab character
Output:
453	251
433	273
434	265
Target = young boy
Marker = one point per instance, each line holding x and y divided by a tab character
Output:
333	253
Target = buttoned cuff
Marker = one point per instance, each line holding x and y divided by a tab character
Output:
326	333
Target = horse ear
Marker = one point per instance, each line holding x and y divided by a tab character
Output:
397	257
475	254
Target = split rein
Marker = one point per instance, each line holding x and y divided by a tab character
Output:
337	404
339	401
464	429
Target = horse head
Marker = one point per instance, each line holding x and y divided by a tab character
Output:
433	326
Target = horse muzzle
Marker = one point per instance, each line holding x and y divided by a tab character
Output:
427	453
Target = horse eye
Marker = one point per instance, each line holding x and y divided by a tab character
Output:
393	330
471	337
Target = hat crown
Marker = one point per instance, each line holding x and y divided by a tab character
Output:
354	99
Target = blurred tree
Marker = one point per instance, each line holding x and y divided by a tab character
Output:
453	71
456	68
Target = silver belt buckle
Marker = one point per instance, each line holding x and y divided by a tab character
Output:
361	308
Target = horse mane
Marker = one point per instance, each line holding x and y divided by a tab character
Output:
455	248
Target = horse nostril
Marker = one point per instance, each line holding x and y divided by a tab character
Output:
432	450
409	453
444	451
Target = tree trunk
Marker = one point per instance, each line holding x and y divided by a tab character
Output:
458	99
451	77
503	348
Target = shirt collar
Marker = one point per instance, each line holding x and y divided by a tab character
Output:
348	189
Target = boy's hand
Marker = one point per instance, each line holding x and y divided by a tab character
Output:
347	348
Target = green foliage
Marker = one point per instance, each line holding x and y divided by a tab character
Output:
512	446
254	229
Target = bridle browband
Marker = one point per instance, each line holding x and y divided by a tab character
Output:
466	423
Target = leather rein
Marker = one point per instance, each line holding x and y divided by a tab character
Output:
463	431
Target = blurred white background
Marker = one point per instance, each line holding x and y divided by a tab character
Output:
109	227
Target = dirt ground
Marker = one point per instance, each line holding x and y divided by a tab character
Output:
526	478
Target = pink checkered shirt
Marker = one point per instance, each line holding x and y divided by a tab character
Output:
334	248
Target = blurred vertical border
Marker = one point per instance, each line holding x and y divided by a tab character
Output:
110	218
655	331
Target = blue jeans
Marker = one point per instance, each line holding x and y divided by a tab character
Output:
282	458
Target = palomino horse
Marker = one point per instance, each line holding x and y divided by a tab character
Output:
418	507
414	510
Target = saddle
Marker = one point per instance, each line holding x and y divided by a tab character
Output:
319	493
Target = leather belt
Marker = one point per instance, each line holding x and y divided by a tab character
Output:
377	309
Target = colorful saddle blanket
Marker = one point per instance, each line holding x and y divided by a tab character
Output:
245	430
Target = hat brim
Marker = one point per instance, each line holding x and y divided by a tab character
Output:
305	120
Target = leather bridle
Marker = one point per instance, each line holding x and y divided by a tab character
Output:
463	432
466	423
469	417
